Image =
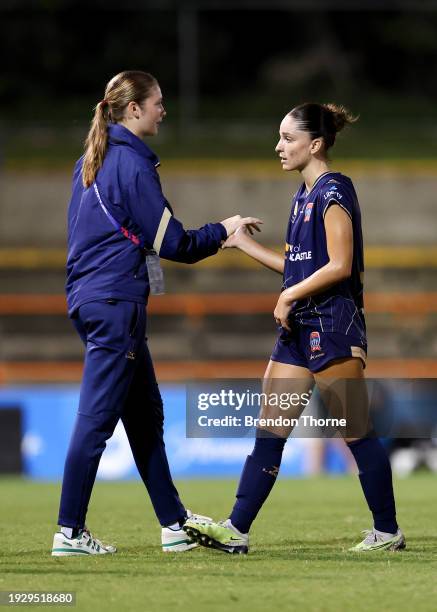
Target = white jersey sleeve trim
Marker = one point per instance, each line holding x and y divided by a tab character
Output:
338	203
162	228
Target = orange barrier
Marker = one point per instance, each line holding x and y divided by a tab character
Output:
182	371
199	304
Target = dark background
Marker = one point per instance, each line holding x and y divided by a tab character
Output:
228	71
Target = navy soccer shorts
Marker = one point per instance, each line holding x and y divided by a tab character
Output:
312	349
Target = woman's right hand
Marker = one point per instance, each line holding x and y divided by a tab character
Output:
233	223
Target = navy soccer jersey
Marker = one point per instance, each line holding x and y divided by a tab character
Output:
339	309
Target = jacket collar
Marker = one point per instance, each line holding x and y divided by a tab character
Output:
118	134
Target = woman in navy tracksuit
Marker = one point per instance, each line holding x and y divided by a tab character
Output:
119	224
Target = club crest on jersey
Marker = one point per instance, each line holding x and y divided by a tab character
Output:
308	210
315	341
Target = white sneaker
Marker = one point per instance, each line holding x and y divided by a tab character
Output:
176	540
84	544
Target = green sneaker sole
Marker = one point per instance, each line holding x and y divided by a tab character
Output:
209	542
68	552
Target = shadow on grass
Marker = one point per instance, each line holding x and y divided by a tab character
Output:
70	571
145	561
294	552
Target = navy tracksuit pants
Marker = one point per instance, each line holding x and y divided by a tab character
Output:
118	382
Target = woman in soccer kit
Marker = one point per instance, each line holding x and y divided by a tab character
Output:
322	334
119	225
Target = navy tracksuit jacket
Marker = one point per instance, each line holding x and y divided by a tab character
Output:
107	289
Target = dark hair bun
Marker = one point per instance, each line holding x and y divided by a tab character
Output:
341	116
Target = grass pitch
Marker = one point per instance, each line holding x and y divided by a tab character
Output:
298	558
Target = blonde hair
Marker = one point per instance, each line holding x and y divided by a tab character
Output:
125	87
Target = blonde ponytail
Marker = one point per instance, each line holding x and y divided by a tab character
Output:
125	87
96	144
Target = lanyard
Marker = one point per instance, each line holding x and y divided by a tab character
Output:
126	233
154	270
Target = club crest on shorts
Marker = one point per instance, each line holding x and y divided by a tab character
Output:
315	341
308	209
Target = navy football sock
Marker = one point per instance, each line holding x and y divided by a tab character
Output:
376	481
257	479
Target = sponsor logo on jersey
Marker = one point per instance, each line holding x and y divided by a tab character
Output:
308	210
315	341
333	193
294	253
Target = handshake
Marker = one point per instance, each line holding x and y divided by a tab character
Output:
238	228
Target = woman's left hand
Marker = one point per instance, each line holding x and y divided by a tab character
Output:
283	309
235	239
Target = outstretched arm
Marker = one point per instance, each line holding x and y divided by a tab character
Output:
268	258
148	207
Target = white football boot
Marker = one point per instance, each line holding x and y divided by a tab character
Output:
83	544
176	540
